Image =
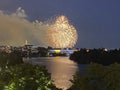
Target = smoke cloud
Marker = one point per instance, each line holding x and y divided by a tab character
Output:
15	29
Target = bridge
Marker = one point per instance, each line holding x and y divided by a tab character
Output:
66	52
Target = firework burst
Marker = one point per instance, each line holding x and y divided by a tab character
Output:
61	34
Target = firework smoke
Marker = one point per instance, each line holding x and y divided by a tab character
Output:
15	29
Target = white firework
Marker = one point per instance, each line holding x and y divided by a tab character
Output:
61	34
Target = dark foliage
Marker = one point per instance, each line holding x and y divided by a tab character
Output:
26	77
42	51
9	59
98	77
97	56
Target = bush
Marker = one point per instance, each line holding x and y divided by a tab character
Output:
26	77
98	77
9	59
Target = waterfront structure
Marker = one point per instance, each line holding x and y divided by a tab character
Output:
59	51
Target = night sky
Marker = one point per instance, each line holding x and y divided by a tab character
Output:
97	21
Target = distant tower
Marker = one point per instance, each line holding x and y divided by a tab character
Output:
26	42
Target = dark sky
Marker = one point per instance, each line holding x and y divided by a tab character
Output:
97	21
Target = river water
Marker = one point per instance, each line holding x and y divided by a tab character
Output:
61	68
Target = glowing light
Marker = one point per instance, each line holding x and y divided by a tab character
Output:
57	51
87	50
106	49
26	42
61	34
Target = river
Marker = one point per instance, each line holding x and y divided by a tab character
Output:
61	68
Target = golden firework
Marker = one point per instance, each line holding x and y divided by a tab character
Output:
61	34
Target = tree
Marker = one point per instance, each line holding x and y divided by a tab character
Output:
42	51
92	80
112	77
9	59
98	77
26	77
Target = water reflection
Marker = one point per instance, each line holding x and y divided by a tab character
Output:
61	68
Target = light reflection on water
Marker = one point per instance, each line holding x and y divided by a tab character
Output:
61	68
